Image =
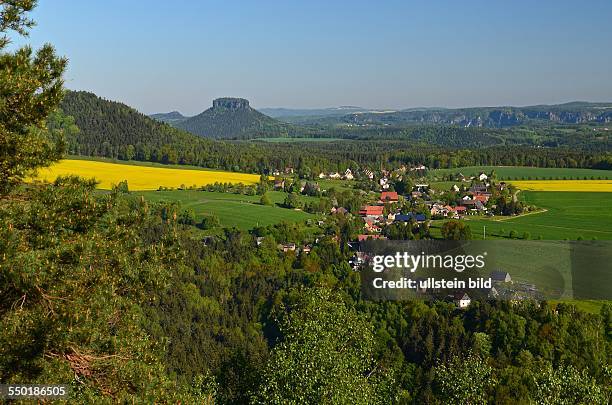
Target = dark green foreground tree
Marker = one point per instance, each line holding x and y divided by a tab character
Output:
76	267
30	89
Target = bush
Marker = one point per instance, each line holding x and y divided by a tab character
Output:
209	222
265	200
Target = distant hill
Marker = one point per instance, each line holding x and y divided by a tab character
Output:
310	112
233	118
170	117
489	117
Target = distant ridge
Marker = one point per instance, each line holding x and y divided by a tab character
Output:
575	112
233	118
170	117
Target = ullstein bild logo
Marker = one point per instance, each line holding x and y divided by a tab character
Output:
410	262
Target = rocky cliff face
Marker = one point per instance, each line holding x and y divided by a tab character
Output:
231	103
488	116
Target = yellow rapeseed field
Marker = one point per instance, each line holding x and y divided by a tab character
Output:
564	185
140	177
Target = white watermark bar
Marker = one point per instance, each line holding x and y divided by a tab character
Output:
498	269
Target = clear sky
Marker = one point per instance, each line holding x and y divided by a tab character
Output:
159	56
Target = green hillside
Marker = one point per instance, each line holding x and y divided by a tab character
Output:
233	118
107	128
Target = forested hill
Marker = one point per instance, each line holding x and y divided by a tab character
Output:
107	125
233	118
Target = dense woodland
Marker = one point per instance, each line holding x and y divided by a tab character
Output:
115	297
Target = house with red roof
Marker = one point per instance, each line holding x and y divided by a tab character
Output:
389	197
371	211
361	238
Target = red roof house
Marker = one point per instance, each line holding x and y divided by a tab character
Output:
389	196
372	211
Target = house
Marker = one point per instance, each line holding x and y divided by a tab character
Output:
501	186
335	176
416	194
460	210
286	247
389	197
348	175
369	174
259	240
306	249
439	210
455	188
322	175
279	184
478	188
361	238
462	300
501	276
481	197
402	218
482	176
371	211
419	218
358	259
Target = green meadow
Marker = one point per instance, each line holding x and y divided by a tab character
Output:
526	173
567	215
233	210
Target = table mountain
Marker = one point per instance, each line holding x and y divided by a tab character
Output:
233	118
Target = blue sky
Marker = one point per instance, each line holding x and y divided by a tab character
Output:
166	55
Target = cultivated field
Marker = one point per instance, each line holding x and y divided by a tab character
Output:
568	215
237	210
565	185
528	173
141	177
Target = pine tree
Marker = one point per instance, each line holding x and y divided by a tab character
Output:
30	89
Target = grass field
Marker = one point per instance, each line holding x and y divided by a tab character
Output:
568	215
140	177
565	185
237	210
527	173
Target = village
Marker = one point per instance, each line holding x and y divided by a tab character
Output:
402	204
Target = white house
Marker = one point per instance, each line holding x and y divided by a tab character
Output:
482	177
348	175
462	300
322	175
335	175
